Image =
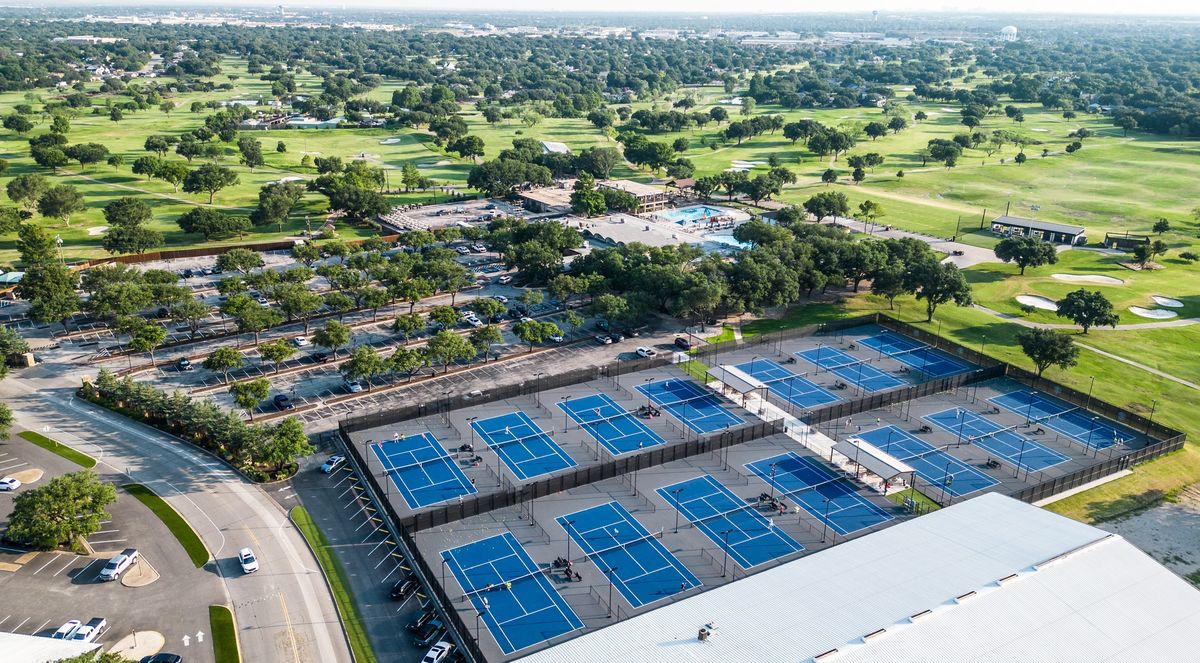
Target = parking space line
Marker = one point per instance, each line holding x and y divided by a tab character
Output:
4	620
65	566
53	557
106	531
39	629
108	541
18	628
85	569
14	466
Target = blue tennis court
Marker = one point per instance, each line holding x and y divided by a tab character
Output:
642	569
618	429
421	470
729	521
698	409
1019	451
932	464
524	448
824	494
514	596
854	371
915	354
1086	428
786	384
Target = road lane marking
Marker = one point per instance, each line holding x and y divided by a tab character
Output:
287	619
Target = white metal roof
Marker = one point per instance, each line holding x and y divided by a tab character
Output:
875	460
989	579
18	648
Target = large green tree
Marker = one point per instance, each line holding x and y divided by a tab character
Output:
1046	348
209	178
1026	252
1087	309
68	507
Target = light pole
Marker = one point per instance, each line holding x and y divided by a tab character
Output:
773	469
982	344
1091	386
962	419
945	479
563	402
470	420
610	573
538	388
567	526
725	538
1090	431
825	520
1150	421
675	494
444	560
477	616
1021	457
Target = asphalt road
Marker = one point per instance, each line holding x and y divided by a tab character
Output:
284	612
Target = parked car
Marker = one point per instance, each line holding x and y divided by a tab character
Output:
117	565
421	619
248	561
162	657
9	484
616	337
602	325
630	332
603	340
526	318
557	338
404	587
507	278
682	343
65	631
353	386
90	631
644	351
479	248
282	402
500	298
435	634
462	250
184	364
301	341
320	356
438	652
332	463
261	300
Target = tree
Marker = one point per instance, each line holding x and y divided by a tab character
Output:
50	289
283	444
66	508
610	307
191	312
447	347
60	202
1161	226
446	316
26	189
585	199
249	394
277	352
17	124
939	283
148	337
875	129
251	152
1026	252
338	302
86	153
1048	348
173	173
827	204
209	178
6	420
467	147
1087	309
239	260
296	301
483	338
889	282
364	364
275	203
487	308
532	332
829	176
1145	253
407	361
408	324
334	335
224	359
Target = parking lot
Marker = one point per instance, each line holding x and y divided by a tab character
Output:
43	590
428	217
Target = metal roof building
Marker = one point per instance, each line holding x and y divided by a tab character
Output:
19	648
988	579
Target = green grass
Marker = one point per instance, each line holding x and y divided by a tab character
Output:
725	336
796	316
223	634
695	368
183	532
1194	578
53	446
923	502
339	584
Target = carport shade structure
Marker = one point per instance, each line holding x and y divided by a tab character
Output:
873	459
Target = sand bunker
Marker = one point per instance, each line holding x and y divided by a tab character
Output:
1166	301
1155	313
390	141
1041	131
434	164
1037	302
98	230
948	110
747	164
1097	279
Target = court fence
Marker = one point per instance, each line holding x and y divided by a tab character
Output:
465	638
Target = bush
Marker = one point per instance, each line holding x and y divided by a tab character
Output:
1189	256
1027	309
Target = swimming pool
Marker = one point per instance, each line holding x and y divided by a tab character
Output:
693	214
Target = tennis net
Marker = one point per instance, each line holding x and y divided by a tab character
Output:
502	585
596	554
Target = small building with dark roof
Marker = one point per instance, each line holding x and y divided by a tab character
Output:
1046	231
1125	241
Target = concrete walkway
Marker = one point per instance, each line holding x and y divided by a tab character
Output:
971	255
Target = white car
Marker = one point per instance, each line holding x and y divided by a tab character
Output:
248	561
603	340
504	279
65	631
557	338
9	483
526	318
333	463
117	565
353	386
644	351
500	298
261	300
301	341
437	652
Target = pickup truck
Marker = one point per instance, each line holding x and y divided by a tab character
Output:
117	565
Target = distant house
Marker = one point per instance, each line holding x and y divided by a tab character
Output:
263	123
650	199
1124	241
306	122
1055	233
548	199
551	147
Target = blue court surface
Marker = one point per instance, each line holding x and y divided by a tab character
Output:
1084	427
529	612
821	492
641	568
1019	451
618	429
725	517
932	464
698	409
524	448
785	384
422	471
915	354
854	371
